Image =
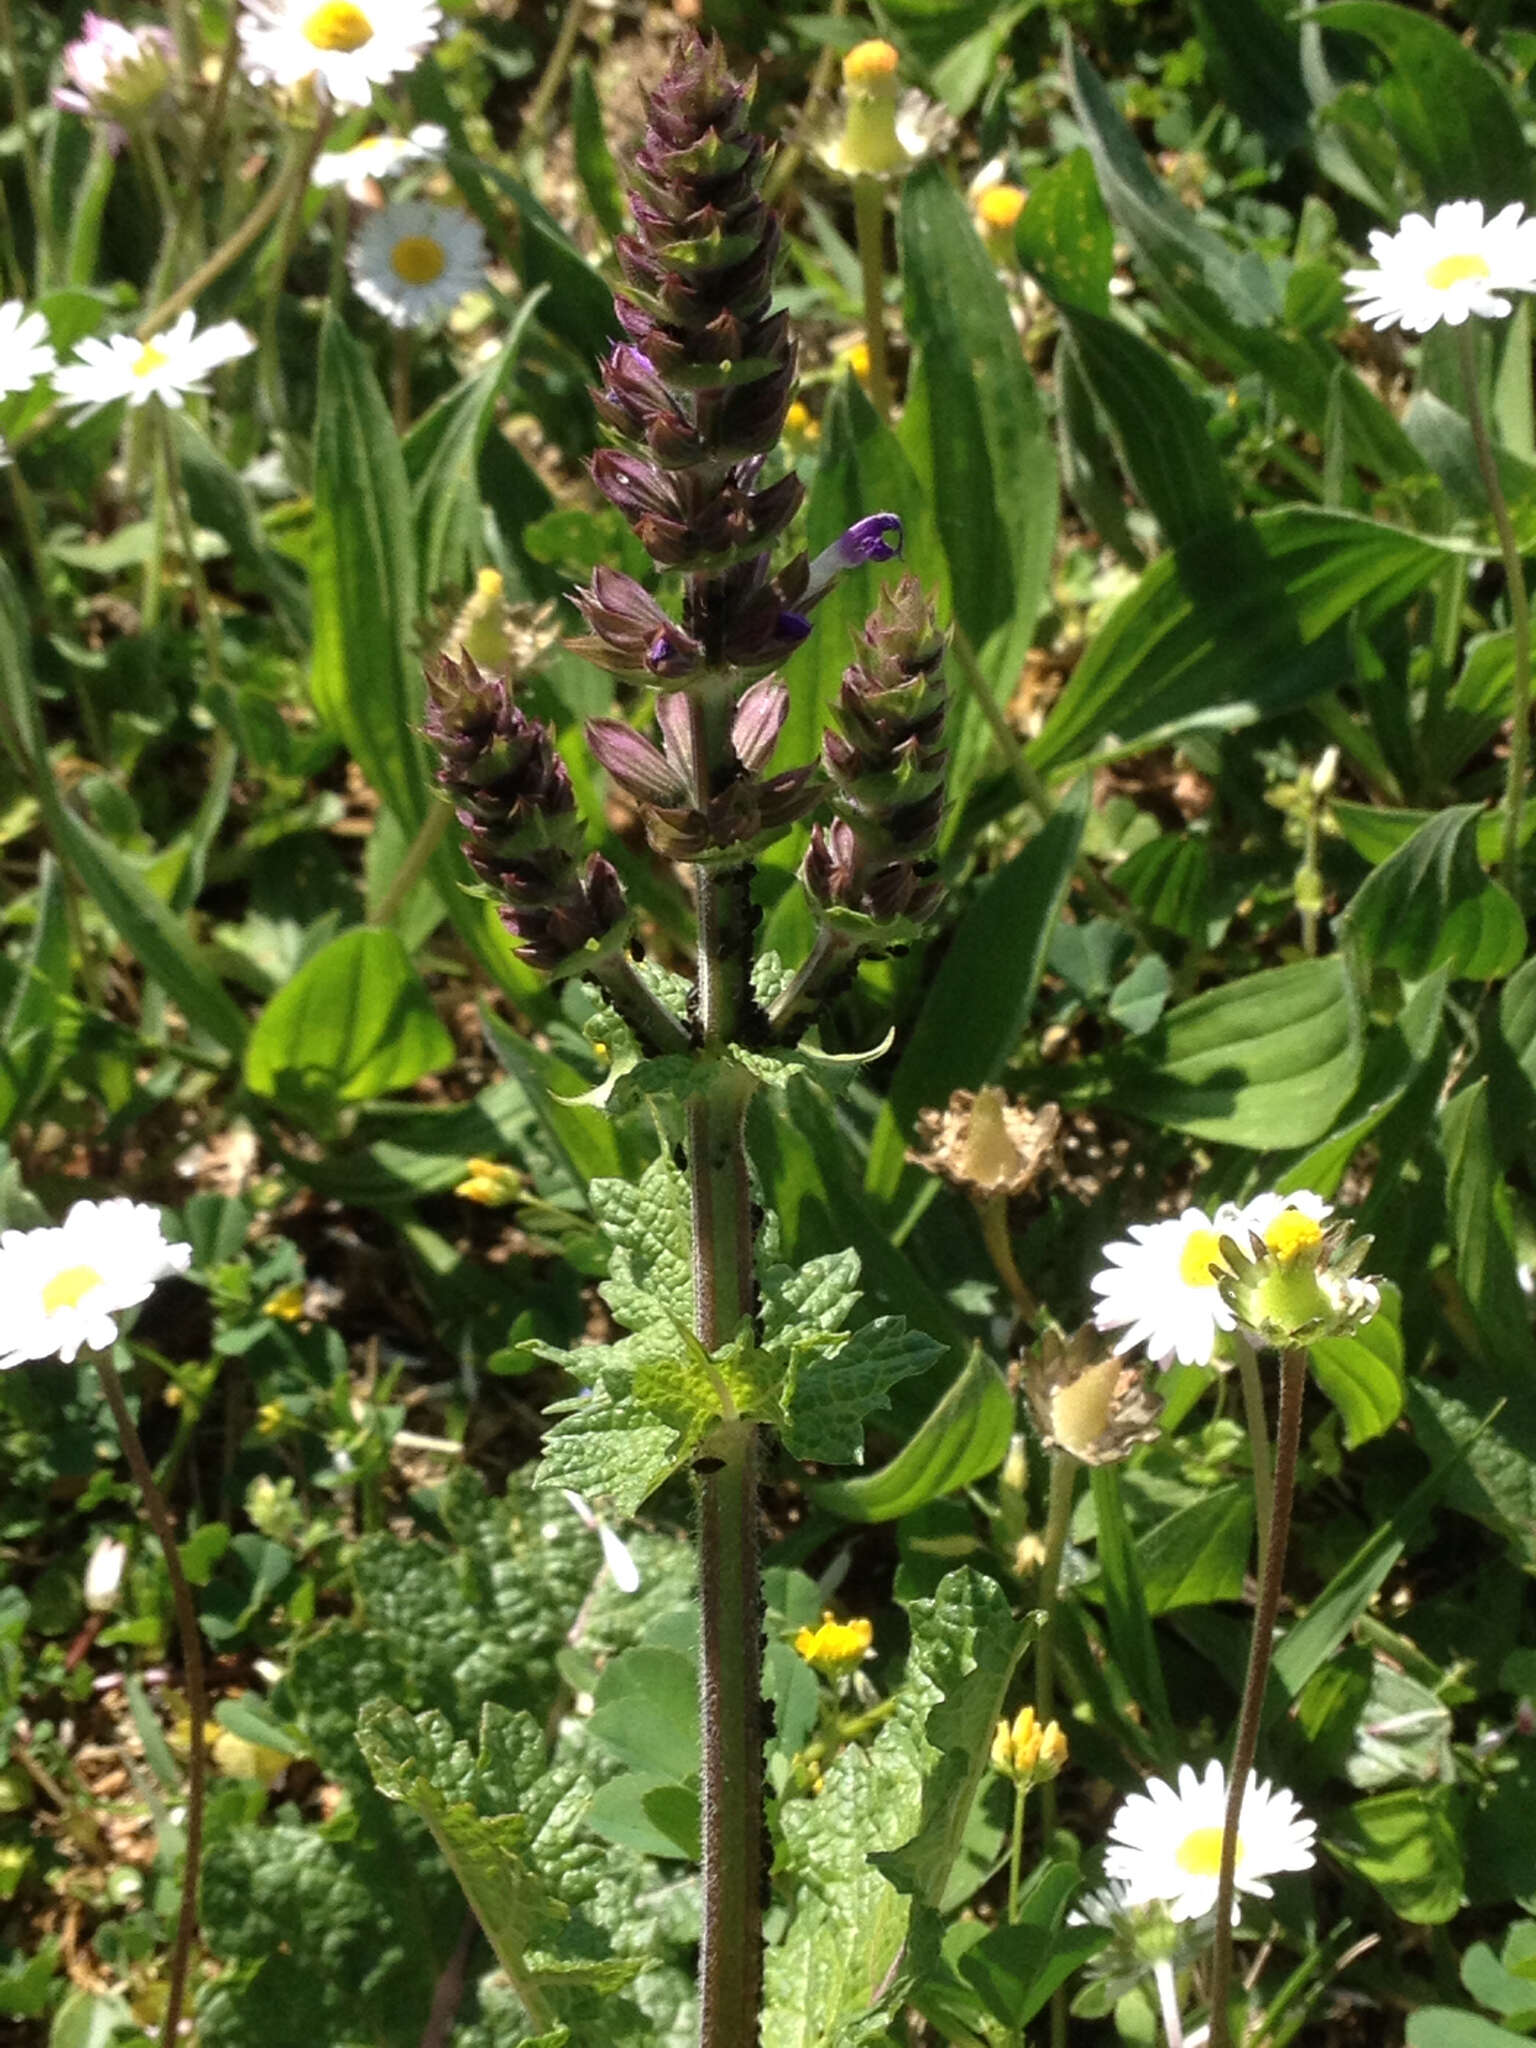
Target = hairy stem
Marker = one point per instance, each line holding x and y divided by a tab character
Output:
1293	1386
1519	613
645	1013
197	1691
1058	1519
869	226
1016	1849
1258	1439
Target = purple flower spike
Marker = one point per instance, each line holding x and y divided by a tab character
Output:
876	538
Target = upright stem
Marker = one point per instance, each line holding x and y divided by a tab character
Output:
1058	1519
418	858
993	1212
197	1691
1293	1386
400	378
730	1596
1258	1439
207	618
537	112
1168	1999
1016	1849
32	170
869	226
1519	613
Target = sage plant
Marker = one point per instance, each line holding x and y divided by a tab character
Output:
695	397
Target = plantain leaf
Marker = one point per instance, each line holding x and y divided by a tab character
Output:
1430	905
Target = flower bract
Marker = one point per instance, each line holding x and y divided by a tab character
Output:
346	46
26	353
414	261
1165	1843
61	1287
167	366
1086	1402
1449	269
378	157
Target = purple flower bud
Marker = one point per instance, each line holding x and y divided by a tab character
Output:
794	627
758	722
876	538
667	655
639	768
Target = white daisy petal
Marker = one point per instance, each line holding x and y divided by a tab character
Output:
26	355
346	46
1165	1844
414	261
166	367
379	157
1457	267
1158	1290
61	1287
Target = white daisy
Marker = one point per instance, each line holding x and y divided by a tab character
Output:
378	156
1159	1288
60	1287
26	354
346	49
1447	269
168	366
414	261
1281	1221
1166	1844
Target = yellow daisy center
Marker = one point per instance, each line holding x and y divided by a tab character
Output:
1000	205
1291	1233
417	259
869	63
149	358
1200	1852
338	26
1454	270
69	1288
1202	1251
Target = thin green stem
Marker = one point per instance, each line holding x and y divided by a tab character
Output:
829	956
658	1030
31	528
336	283
869	230
154	560
400	377
31	163
197	1691
186	534
257	221
1519	613
1293	1387
1168	2000
292	226
1016	1850
994	1230
418	858
538	108
1258	1440
1058	1520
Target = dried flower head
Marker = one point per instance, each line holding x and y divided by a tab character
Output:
982	1142
1086	1401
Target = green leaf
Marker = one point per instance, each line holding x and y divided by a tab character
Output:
1430	905
442	455
469	1802
1267	1061
1199	1554
1127	1606
1014	1969
594	159
1363	1375
978	439
221	501
647	1813
647	1712
964	1439
1482	1233
965	1646
1441	2026
648	1224
1407	1844
1244	624
978	1006
831	1394
356	1021
1064	236
1158	428
1448	110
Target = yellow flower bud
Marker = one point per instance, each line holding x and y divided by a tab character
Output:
1026	1752
870	66
490	1184
1000	205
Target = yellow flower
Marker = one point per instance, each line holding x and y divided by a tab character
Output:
1027	1753
856	359
801	424
287	1305
836	1647
490	1184
271	1416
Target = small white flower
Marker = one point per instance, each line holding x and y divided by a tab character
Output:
168	366
1166	1844
60	1287
1159	1287
414	261
1448	269
346	49
104	1574
26	354
378	156
621	1566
